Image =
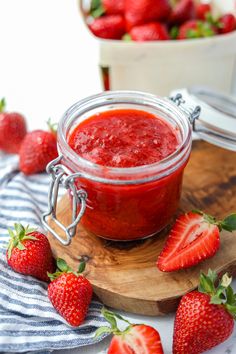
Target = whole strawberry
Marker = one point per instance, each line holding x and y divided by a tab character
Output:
205	318
37	150
29	252
144	11
149	32
12	130
183	11
136	338
203	11
70	293
108	27
227	23
196	29
112	7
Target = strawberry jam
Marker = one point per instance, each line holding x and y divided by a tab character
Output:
124	139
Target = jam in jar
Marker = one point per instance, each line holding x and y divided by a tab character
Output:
127	151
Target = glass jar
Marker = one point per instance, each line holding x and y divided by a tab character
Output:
120	204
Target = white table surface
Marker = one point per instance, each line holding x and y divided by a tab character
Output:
48	62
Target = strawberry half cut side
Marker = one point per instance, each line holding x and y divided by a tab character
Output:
135	338
194	237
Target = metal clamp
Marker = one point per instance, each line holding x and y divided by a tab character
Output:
61	177
206	131
192	113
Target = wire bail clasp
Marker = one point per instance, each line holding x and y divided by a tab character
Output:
192	113
61	177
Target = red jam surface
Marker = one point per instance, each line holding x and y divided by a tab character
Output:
124	138
127	138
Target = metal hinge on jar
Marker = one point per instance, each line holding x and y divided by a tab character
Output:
204	130
61	177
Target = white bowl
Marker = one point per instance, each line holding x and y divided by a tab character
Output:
162	66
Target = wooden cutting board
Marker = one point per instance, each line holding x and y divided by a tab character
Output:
124	275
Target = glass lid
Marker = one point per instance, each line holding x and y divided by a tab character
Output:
217	121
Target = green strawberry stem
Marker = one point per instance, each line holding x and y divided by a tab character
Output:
213	21
127	37
52	126
112	317
204	29
63	267
228	224
2	105
174	32
17	236
221	293
96	9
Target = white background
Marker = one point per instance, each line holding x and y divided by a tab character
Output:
47	62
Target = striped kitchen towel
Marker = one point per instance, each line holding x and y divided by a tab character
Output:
28	322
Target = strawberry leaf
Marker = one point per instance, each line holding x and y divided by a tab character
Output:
216	300
223	294
20	246
100	331
11	233
62	265
229	223
96	9
231	299
53	276
127	37
109	316
95	4
231	309
98	12
20	230
206	284
29	237
81	267
2	104
174	32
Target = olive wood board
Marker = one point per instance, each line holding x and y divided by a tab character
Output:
124	274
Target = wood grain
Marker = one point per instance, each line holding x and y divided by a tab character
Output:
124	275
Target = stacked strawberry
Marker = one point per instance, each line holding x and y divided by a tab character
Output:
36	149
70	293
150	20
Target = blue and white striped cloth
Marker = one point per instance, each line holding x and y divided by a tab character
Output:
28	322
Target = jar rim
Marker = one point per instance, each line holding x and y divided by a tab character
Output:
125	97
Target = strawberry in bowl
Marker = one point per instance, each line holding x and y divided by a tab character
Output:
144	43
112	19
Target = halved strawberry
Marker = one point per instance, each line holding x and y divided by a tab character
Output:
194	237
135	339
